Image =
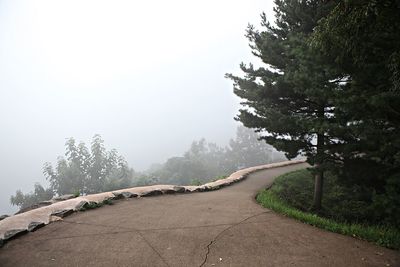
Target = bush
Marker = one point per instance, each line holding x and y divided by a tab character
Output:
387	206
29	199
344	203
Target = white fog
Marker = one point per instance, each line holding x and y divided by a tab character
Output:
148	76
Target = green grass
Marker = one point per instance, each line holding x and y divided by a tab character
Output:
77	193
382	235
342	201
196	182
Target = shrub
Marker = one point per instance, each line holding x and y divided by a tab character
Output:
345	203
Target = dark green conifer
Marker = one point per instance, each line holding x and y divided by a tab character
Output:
289	98
363	39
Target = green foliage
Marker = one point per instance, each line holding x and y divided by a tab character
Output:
82	171
145	179
248	150
88	171
94	205
382	235
196	182
77	194
204	161
107	202
362	39
289	97
328	88
387	204
295	188
341	202
85	171
25	200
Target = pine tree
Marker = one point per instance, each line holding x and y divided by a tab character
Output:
289	99
363	39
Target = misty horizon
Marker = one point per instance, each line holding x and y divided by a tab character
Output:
149	78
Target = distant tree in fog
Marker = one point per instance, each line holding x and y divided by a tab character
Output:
247	150
204	161
82	171
26	200
88	171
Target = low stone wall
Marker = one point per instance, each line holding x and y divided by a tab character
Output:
56	209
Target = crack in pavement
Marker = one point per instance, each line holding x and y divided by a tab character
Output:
128	230
154	249
110	233
225	230
121	229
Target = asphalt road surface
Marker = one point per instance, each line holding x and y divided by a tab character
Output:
218	228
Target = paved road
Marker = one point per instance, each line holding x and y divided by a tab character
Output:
219	228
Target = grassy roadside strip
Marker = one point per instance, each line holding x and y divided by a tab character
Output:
383	236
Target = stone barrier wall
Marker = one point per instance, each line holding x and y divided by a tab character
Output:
59	207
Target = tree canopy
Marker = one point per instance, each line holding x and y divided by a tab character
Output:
362	40
26	200
289	98
328	88
205	161
88	171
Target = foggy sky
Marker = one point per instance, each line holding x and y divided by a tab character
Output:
148	76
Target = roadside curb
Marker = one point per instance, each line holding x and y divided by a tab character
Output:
29	221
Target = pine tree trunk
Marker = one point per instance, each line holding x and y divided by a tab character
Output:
318	185
319	175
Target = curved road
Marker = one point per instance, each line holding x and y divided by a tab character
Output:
219	228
